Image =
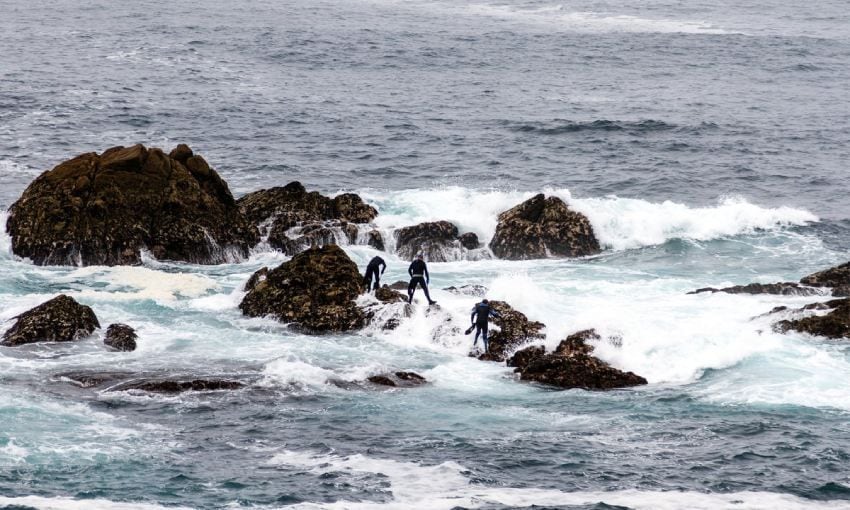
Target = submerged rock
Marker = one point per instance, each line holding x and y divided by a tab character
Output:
121	337
61	319
779	288
468	290
105	209
514	330
315	292
398	379
834	324
179	386
543	227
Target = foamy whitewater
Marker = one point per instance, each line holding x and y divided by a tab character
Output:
706	141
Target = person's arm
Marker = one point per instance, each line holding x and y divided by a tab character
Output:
495	314
427	276
410	270
384	266
472	317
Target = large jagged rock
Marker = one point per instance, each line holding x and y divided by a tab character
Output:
61	319
436	240
121	337
105	209
779	288
543	227
314	292
834	324
296	219
572	366
836	277
514	330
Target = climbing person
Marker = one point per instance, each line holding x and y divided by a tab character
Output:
480	317
372	271
418	272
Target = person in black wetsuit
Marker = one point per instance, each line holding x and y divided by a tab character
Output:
418	272
372	271
481	314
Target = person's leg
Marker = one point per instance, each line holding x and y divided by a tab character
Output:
377	280
484	337
477	332
427	294
367	280
411	288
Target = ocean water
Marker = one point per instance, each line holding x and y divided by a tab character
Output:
708	143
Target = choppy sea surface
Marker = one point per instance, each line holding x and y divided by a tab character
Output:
707	141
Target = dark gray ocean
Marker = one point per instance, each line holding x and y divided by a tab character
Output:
708	142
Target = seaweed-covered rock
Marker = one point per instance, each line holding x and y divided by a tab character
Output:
436	240
577	343
525	356
314	292
834	324
121	337
837	277
514	330
105	209
387	295
375	240
259	276
469	241
61	319
292	240
578	370
779	288
398	379
350	207
543	227
292	205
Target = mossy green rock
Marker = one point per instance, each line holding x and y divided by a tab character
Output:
105	209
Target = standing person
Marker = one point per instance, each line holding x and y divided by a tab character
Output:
372	271
418	272
481	314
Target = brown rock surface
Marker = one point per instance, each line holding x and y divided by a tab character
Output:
104	209
543	227
60	319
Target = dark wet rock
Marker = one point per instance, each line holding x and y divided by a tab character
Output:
399	285
292	205
398	379
387	295
833	277
375	240
577	343
314	292
468	290
105	209
121	337
841	291
543	227
179	386
834	324
435	240
524	356
61	319
258	276
292	240
578	370
93	380
779	288
514	330
469	241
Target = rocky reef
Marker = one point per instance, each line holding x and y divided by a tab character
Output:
104	209
543	227
438	241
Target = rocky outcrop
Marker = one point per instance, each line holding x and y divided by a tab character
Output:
572	366
105	209
469	241
836	277
387	295
834	324
375	240
514	330
128	381
258	276
435	240
121	337
779	288
179	386
398	379
313	292
296	219
61	319
543	227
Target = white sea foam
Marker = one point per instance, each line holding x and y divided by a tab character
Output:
447	485
60	503
136	283
619	223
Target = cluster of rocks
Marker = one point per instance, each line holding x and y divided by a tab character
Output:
810	319
63	319
107	209
571	365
